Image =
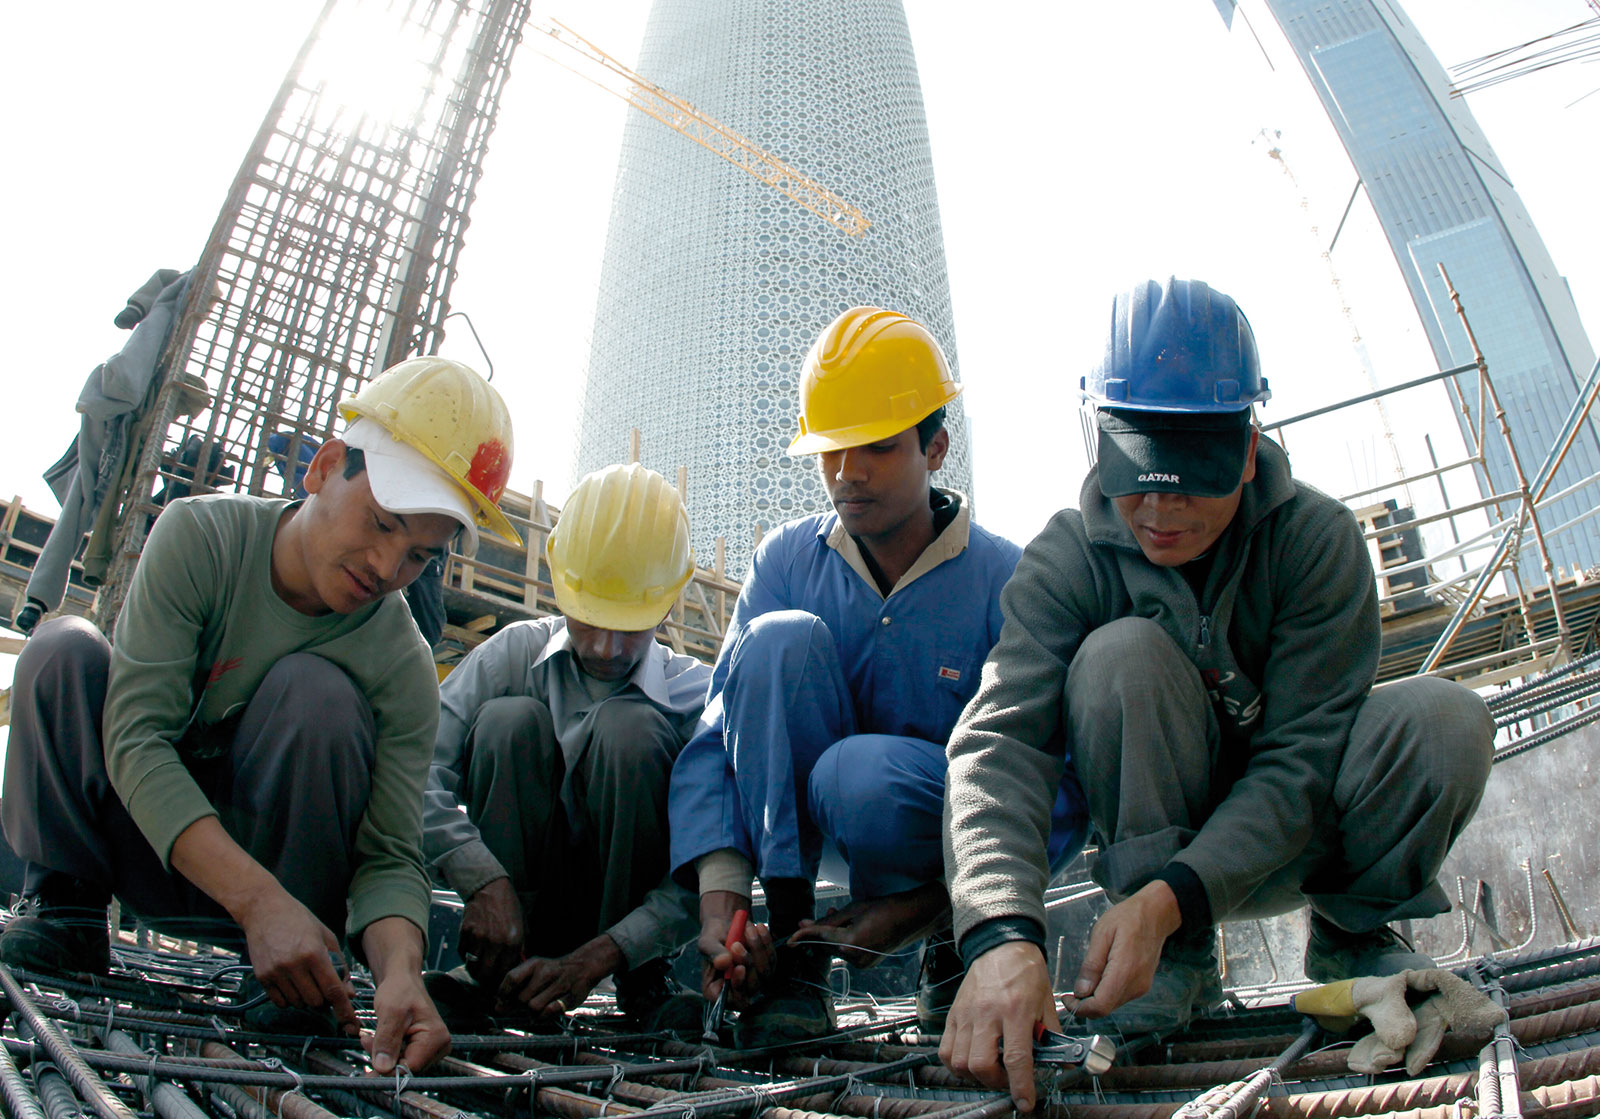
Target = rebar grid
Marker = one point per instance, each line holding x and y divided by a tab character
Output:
124	1051
333	256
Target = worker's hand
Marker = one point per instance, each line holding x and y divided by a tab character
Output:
1005	993
554	987
1124	949
410	1031
750	958
293	953
491	932
864	932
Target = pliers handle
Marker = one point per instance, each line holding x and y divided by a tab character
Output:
714	1012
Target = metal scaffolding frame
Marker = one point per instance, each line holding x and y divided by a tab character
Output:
1544	635
333	256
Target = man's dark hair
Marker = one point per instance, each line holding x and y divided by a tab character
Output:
929	426
355	461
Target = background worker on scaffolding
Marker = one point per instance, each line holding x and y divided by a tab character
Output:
855	643
247	760
1200	642
558	736
107	407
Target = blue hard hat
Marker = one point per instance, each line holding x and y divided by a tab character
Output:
1177	347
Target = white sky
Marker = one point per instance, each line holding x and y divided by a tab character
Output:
1077	146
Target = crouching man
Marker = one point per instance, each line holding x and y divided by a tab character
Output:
1200	641
246	760
557	737
856	642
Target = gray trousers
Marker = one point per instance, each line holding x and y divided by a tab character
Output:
47	583
290	780
577	872
1144	735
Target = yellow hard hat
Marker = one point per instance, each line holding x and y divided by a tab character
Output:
870	375
455	419
620	552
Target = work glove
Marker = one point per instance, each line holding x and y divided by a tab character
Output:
1410	1013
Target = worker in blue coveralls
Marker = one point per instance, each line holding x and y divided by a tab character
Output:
856	642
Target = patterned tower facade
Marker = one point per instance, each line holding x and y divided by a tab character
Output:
1443	196
714	285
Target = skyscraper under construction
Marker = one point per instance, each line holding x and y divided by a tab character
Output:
714	285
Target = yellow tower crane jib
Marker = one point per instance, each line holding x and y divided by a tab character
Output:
680	115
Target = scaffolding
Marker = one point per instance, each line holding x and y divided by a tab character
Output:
1447	623
333	257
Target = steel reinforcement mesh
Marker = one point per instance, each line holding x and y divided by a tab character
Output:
715	285
176	1033
335	252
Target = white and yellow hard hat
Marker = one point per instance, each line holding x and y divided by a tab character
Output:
454	419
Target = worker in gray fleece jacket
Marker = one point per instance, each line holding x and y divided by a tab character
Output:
1199	642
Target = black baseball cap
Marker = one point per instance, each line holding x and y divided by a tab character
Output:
1197	453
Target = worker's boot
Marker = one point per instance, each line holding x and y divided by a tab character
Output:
795	1002
262	1015
1187	983
1333	954
465	1006
654	1003
28	617
60	929
942	973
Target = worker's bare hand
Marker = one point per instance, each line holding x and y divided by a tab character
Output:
491	932
410	1031
1005	993
1124	949
864	932
751	958
554	987
293	955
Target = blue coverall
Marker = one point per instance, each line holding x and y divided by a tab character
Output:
830	705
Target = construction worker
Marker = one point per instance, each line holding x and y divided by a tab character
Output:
557	736
1199	642
245	762
856	641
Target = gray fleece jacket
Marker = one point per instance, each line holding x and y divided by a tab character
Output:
1285	633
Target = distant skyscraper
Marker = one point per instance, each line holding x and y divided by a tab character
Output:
714	285
1443	197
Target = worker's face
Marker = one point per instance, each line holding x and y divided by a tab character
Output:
608	654
1174	528
877	489
353	550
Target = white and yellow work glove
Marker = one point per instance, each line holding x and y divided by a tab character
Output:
1444	1002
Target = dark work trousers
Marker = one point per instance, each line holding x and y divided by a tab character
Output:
290	783
575	872
1144	737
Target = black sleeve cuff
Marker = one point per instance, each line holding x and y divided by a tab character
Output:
995	932
1194	907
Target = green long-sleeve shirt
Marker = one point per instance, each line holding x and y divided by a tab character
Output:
200	629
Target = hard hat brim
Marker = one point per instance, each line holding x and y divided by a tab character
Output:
626	617
491	518
842	439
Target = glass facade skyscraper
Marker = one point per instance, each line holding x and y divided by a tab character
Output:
1442	196
714	285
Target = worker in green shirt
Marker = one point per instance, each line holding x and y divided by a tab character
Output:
244	762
